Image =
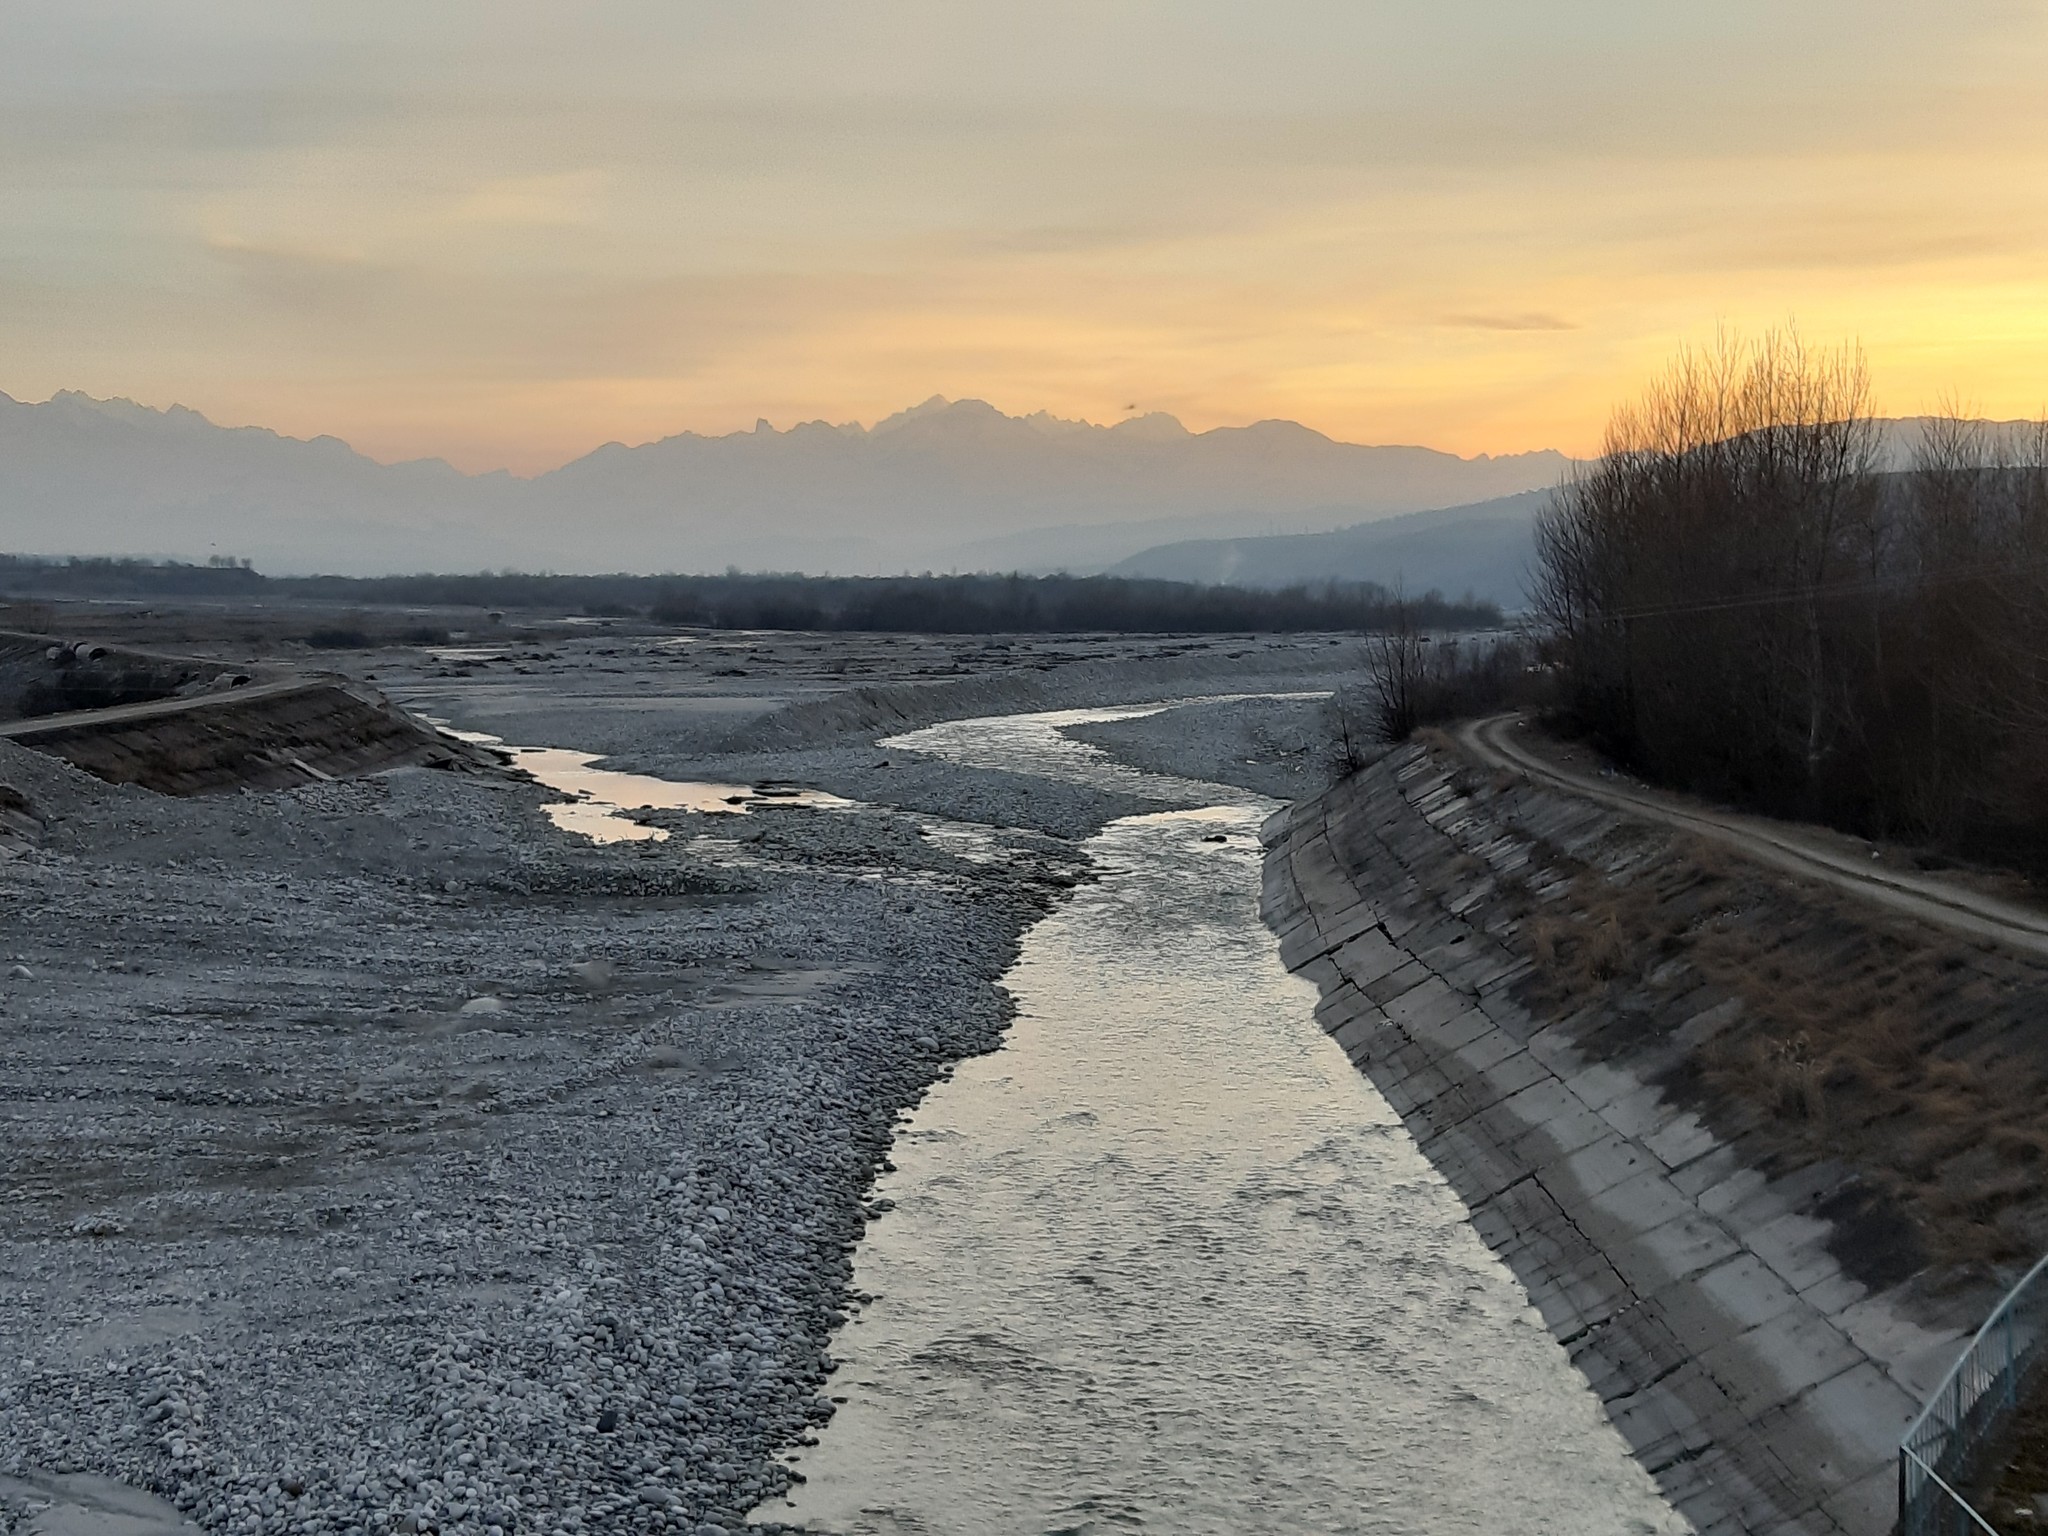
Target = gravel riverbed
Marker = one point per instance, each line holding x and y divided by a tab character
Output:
380	1158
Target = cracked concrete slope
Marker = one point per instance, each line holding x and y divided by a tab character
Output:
1783	847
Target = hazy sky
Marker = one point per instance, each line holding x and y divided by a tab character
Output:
507	232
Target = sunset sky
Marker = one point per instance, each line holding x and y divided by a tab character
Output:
504	233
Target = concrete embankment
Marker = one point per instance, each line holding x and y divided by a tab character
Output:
1760	1368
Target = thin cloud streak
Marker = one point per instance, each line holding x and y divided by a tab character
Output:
1527	322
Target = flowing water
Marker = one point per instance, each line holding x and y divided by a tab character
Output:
1165	1262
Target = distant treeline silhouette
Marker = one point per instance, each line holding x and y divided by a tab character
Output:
99	576
1039	604
1738	601
907	604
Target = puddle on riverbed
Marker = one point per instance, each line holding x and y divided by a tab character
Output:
469	652
1166	1262
603	797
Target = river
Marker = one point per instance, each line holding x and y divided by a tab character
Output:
1166	1262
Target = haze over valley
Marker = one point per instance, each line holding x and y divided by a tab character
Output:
946	485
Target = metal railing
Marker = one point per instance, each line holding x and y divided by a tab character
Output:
1945	1447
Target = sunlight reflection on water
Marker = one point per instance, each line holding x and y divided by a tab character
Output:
1166	1261
602	797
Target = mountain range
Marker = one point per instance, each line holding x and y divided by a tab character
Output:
947	485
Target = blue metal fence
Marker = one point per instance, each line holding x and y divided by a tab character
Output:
1944	1450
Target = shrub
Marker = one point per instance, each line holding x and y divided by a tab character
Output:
339	640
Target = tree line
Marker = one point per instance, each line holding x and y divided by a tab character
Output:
1040	605
1742	597
735	600
104	576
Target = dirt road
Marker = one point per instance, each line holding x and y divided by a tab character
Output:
1808	853
151	709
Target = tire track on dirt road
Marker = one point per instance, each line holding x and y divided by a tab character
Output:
1492	741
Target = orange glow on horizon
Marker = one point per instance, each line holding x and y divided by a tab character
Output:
505	245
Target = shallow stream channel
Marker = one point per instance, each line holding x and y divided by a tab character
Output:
1166	1262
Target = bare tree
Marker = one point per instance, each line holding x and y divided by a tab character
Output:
1397	657
1735	597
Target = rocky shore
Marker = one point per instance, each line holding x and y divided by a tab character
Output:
383	1159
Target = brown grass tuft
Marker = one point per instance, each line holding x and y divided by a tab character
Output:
1863	1037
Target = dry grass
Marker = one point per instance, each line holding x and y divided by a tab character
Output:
1437	739
2010	1505
1864	1038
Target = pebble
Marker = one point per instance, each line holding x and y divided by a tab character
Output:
525	1285
602	1272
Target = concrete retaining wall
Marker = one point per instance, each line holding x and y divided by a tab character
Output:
1762	1386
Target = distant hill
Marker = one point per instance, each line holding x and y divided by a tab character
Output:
948	485
1485	549
91	477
